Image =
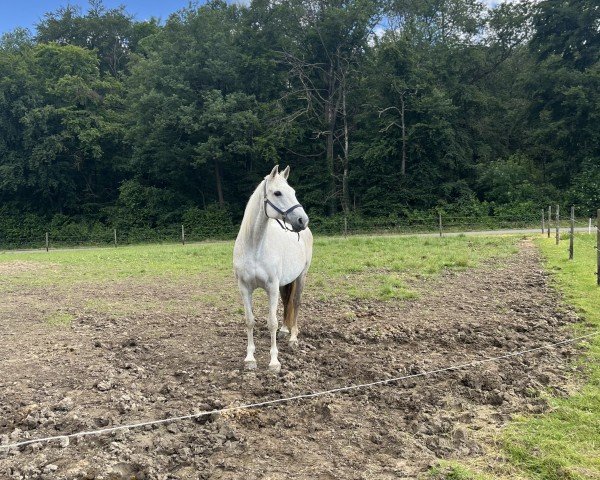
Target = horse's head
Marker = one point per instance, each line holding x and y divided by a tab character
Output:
281	202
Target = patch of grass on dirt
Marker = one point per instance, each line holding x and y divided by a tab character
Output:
452	471
565	443
59	319
384	267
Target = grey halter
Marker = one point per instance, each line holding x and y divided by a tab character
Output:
284	213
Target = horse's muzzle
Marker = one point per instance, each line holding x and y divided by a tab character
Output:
298	221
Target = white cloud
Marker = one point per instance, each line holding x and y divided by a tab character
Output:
495	3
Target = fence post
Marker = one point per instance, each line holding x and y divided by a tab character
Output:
549	219
590	226
598	246
557	224
182	235
543	222
115	236
47	242
572	232
345	226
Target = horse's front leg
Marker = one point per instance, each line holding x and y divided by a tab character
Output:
273	293
249	361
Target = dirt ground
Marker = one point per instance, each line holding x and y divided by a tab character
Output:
107	370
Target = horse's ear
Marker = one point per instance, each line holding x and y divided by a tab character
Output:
274	172
286	172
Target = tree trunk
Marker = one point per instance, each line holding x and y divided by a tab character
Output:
219	183
345	159
403	125
331	115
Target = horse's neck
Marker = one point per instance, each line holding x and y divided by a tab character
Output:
255	221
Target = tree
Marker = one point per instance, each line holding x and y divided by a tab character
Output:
112	33
324	70
54	127
565	88
568	29
190	119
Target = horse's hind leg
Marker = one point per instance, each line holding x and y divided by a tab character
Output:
285	293
273	293
249	361
291	318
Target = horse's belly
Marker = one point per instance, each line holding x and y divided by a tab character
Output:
289	277
292	266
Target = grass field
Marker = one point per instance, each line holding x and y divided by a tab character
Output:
565	443
357	267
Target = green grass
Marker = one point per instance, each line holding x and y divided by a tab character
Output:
384	268
447	470
59	319
563	444
358	267
100	264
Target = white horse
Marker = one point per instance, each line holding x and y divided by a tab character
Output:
270	255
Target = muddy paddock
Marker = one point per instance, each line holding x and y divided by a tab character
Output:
108	370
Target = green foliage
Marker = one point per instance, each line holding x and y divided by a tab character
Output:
509	180
213	221
585	191
142	206
445	106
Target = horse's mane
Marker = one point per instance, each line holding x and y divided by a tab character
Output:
251	211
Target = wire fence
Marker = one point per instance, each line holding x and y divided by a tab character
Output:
334	226
65	439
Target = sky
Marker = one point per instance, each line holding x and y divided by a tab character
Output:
26	13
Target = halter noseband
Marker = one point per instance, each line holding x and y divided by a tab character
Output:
284	213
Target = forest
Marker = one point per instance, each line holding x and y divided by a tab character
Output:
387	110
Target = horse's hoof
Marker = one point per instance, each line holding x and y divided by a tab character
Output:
282	334
293	344
250	365
275	367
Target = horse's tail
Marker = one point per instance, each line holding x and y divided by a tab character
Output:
288	296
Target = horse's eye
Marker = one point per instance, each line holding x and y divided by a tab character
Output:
278	193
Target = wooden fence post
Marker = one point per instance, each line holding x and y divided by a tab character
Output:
549	219
47	242
440	222
115	236
572	232
543	223
182	235
557	224
590	226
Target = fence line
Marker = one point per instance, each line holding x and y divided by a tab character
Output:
598	247
342	225
65	438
